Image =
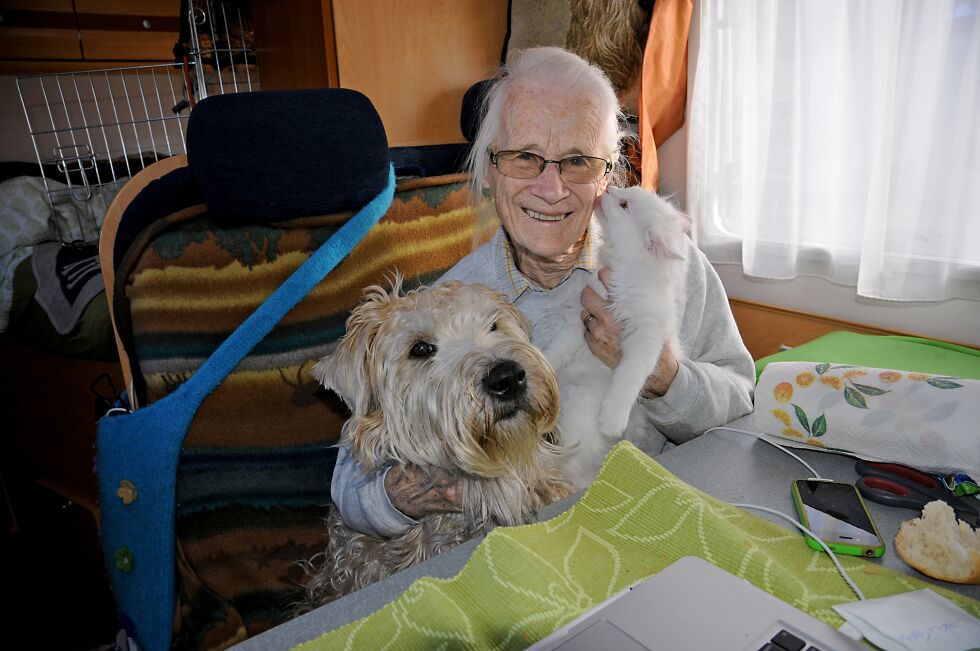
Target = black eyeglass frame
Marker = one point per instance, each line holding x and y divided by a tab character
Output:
544	163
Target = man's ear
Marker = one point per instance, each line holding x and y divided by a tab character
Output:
485	183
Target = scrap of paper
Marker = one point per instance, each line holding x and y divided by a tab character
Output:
913	621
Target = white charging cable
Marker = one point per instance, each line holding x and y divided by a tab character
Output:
833	556
791	520
757	435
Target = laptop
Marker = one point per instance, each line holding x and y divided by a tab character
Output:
693	604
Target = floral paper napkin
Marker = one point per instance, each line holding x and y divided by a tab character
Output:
928	421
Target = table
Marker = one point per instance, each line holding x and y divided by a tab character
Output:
730	466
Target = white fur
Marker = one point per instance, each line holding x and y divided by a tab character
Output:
645	249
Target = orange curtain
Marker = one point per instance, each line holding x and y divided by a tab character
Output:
663	83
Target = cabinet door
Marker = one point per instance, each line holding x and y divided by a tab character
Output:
295	48
115	30
38	29
57	35
415	60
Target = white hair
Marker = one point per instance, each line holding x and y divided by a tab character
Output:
545	68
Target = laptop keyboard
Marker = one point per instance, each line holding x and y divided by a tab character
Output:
786	641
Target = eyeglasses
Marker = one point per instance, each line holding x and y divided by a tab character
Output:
574	169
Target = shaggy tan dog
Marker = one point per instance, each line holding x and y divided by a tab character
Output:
443	377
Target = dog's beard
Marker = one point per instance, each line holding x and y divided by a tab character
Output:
429	420
504	433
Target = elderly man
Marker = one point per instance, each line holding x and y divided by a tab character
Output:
546	151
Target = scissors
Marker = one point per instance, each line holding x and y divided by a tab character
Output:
896	485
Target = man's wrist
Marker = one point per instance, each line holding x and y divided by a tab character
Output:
659	383
653	388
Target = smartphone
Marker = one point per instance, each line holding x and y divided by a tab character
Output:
835	512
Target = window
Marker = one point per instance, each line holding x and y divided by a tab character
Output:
841	139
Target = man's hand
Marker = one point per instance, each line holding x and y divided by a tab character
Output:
602	335
417	492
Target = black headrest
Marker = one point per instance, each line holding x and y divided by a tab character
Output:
273	155
471	113
164	196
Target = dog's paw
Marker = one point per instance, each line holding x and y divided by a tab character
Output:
612	421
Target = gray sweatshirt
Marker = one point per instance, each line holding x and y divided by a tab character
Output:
713	384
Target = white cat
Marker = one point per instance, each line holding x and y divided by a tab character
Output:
645	248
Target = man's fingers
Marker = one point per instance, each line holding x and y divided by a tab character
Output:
607	351
452	496
604	277
418	492
592	302
597	306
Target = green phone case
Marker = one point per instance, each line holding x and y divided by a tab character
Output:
836	546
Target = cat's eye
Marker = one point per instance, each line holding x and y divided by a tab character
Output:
624	204
493	327
422	349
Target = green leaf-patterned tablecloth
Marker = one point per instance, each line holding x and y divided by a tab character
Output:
524	582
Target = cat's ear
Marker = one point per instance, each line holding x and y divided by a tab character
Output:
687	224
665	247
669	242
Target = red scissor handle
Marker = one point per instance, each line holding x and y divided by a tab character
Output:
891	493
888	485
911	474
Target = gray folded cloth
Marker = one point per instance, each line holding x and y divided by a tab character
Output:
68	277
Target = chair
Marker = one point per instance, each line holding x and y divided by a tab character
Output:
189	249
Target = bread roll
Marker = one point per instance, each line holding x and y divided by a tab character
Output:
939	546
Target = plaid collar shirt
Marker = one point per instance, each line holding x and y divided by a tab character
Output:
513	283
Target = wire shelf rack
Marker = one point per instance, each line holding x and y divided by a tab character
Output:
222	45
77	119
92	130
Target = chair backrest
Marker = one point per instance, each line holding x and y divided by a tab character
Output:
188	255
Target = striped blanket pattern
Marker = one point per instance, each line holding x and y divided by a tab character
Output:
254	478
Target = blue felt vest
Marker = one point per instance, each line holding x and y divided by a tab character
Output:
143	448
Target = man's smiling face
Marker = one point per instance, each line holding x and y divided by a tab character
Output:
546	217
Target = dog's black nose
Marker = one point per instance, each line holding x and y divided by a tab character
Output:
506	381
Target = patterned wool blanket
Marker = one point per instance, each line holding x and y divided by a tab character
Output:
522	583
253	483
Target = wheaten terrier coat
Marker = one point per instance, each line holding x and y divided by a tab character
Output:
442	378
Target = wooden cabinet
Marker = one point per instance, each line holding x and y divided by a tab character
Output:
115	30
45	35
38	30
414	60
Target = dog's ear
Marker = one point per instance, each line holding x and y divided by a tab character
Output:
506	306
346	371
368	439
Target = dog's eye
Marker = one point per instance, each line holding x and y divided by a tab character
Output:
422	349
624	204
493	327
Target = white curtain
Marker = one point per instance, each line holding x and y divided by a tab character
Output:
840	138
